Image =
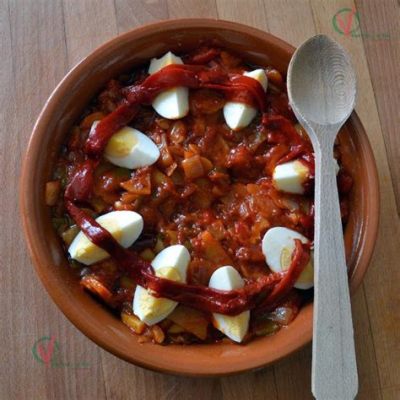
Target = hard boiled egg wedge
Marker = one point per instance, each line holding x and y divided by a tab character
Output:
172	103
290	177
235	327
171	263
130	148
159	63
239	115
336	166
124	226
278	246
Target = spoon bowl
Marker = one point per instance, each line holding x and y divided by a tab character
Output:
323	88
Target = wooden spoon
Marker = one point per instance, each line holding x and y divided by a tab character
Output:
322	90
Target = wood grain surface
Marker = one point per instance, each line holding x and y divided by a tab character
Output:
40	40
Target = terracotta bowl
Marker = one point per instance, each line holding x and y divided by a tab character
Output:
67	103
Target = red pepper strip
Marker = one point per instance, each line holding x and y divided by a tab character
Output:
300	259
194	77
112	123
167	78
245	84
80	186
307	222
283	124
273	156
235	87
295	152
95	232
299	149
203	298
200	297
204	57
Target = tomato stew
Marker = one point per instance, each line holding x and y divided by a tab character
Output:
211	190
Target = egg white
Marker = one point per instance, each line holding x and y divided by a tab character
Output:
235	327
278	246
130	148
124	226
171	263
239	115
172	103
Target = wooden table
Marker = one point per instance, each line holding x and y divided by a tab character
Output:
40	41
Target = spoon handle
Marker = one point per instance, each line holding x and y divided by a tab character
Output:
334	369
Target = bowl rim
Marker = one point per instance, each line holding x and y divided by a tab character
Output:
367	245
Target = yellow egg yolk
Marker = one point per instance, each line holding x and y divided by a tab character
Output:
121	143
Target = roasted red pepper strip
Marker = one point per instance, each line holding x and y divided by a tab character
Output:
80	186
298	147
237	86
167	78
204	56
96	233
300	259
246	90
284	125
112	123
203	298
211	300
